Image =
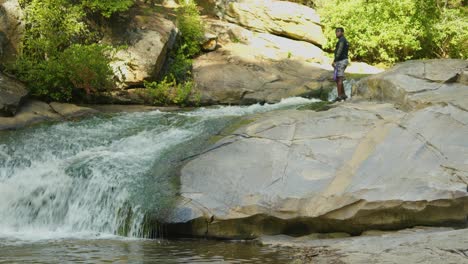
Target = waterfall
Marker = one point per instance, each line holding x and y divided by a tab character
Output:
104	174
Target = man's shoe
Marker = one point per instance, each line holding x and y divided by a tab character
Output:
340	98
337	99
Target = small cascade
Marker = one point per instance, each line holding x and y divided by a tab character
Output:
103	175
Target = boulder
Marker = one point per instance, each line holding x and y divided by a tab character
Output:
281	18
12	93
11	29
70	110
419	245
148	37
258	67
415	84
359	166
34	112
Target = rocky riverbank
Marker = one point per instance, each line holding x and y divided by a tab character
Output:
392	163
248	60
418	245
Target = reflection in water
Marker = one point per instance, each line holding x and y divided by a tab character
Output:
139	251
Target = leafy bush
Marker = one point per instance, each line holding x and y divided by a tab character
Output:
191	29
451	35
169	92
107	7
56	60
75	73
390	31
50	27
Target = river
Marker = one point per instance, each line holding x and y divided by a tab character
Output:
81	191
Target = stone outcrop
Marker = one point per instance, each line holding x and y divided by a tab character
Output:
419	245
148	38
416	84
258	67
33	112
11	29
281	18
356	167
12	93
250	67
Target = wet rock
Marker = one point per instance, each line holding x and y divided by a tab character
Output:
71	110
34	112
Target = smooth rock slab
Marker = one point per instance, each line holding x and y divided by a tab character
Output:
281	18
33	112
416	84
356	167
419	245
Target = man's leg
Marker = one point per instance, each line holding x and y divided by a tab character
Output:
340	87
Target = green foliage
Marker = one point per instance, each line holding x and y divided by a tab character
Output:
88	67
181	66
57	60
169	92
51	26
77	72
107	7
451	38
390	31
191	29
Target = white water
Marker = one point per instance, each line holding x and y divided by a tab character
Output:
81	179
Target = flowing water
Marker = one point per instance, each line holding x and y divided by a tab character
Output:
70	191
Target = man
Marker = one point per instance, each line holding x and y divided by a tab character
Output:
340	63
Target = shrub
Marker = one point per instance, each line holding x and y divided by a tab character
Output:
88	67
107	7
76	73
56	60
450	38
169	92
191	29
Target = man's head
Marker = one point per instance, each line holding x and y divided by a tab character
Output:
339	32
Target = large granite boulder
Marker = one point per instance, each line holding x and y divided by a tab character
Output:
12	93
356	167
11	29
148	37
258	67
281	18
415	84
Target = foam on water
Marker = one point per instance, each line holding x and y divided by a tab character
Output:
98	177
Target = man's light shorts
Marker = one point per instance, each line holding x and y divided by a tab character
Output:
341	67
